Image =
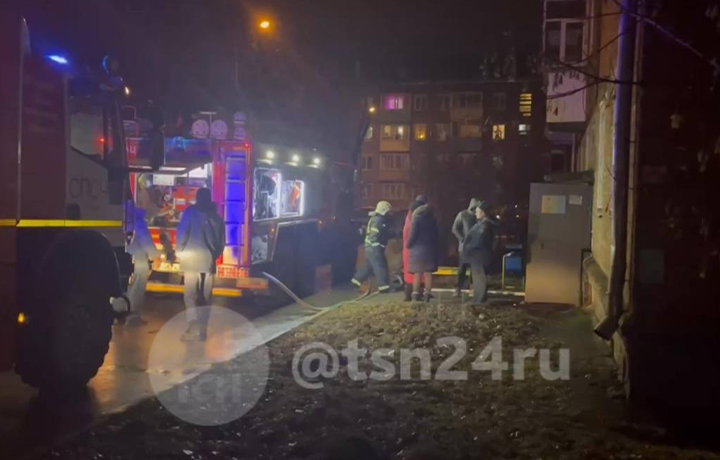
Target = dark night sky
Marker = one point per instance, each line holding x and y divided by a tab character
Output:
181	52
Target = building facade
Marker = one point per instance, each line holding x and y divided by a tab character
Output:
668	341
452	141
568	38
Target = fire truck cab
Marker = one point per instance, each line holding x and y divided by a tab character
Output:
64	199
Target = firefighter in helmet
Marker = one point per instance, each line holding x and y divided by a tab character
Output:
376	239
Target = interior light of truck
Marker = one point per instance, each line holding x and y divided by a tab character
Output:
56	58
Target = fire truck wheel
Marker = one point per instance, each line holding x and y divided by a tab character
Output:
64	343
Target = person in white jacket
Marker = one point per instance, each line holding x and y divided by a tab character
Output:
143	251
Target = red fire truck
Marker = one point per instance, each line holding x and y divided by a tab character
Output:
67	209
278	204
64	194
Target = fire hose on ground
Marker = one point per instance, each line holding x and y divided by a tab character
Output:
296	298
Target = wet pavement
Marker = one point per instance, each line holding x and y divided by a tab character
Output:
30	419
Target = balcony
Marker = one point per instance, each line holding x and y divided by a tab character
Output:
395	145
570	108
395	108
394	175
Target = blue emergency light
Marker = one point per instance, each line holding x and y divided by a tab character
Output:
56	58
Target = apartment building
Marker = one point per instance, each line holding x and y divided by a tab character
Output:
666	329
451	140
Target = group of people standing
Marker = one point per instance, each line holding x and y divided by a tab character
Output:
474	229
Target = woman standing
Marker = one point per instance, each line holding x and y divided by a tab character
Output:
422	244
407	276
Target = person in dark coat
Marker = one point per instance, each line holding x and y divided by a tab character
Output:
461	227
200	242
376	239
423	250
478	249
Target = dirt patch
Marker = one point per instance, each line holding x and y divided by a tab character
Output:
393	417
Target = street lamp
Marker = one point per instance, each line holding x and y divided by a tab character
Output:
264	25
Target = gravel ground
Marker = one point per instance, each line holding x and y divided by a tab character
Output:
533	418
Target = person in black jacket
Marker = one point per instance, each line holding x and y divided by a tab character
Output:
478	249
200	242
422	244
376	239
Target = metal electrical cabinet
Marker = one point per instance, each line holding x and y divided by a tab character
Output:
559	233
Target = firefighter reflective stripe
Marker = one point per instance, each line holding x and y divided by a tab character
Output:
369	230
8	222
69	223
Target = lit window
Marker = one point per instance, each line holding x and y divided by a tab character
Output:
526	104
524	129
394	132
293	198
267	204
420	102
369	133
443	131
498	132
421	133
394	102
387	132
